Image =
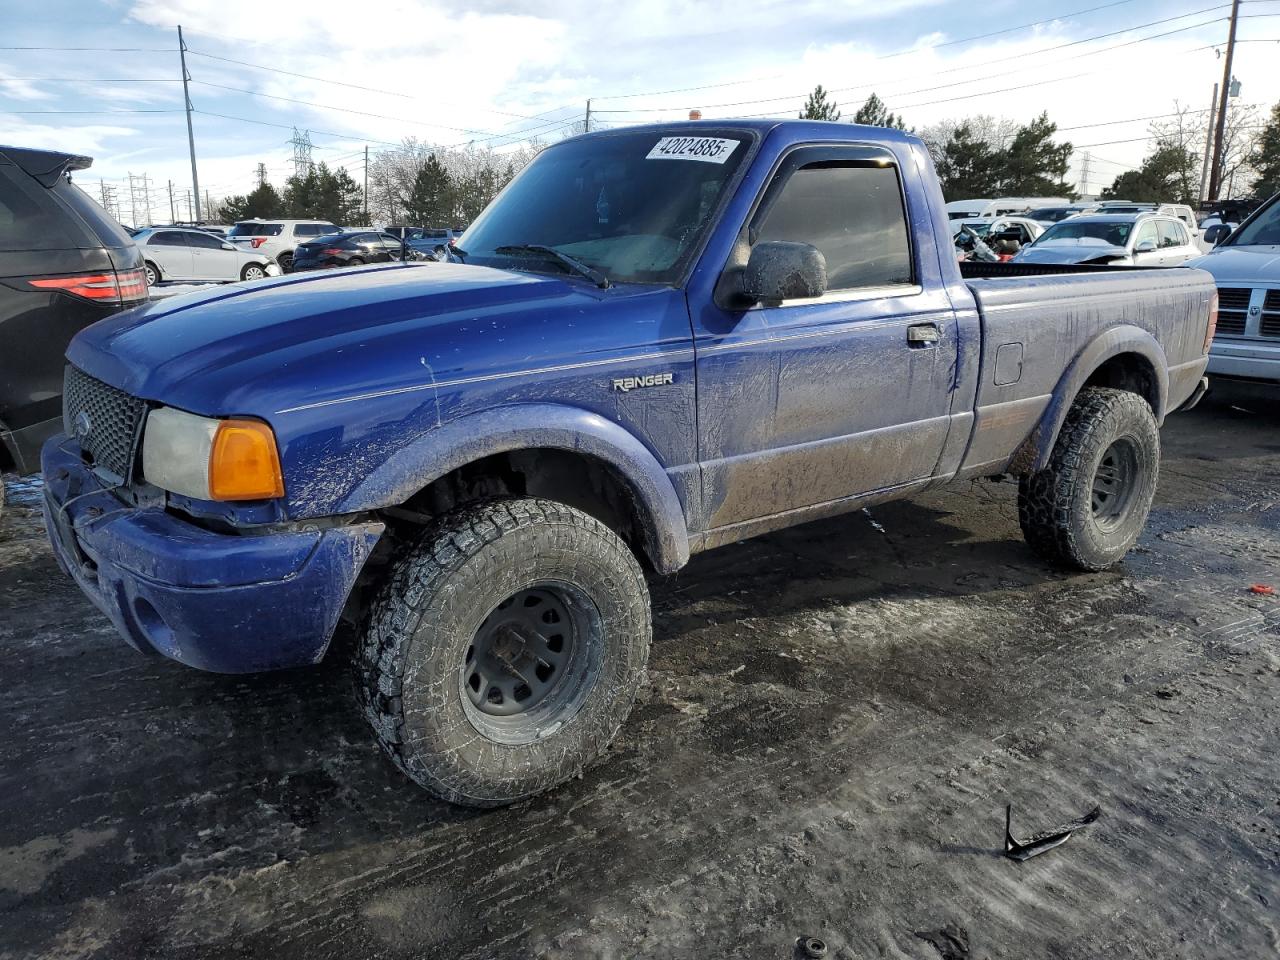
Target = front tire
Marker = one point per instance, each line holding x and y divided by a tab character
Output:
1088	506
252	271
505	651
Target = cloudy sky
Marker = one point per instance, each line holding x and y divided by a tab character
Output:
496	72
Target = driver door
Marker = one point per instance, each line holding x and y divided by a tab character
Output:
1146	246
811	402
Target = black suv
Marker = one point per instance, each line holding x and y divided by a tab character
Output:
64	263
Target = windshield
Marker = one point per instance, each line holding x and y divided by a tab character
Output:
632	205
980	227
1112	233
1262	229
255	230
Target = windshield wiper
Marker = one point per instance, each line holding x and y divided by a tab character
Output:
543	252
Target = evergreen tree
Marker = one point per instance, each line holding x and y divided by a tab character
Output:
431	202
968	167
1035	166
818	107
1162	178
263	203
873	113
323	194
1266	157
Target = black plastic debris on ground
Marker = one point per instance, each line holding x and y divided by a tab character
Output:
1044	841
811	948
951	942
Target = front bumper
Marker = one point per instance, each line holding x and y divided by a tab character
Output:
215	601
1245	359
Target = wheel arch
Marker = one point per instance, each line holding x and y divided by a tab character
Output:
559	453
1125	357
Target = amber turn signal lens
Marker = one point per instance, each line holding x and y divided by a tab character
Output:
245	464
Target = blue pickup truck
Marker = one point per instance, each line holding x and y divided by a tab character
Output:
655	341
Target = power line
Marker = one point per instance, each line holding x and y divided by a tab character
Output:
88	112
92	79
985	64
96	49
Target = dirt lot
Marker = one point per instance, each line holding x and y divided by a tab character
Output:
836	716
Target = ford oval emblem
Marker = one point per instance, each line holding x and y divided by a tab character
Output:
82	424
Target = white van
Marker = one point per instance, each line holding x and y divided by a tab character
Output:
1002	207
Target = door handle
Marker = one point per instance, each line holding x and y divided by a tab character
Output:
923	335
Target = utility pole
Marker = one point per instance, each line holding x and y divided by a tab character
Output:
191	136
1208	146
366	183
586	126
173	215
1215	172
208	204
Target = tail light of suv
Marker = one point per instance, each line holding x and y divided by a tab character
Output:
257	241
127	286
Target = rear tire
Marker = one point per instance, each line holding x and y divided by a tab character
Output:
1087	508
152	272
505	651
285	260
355	262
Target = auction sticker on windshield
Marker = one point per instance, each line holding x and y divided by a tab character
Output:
706	149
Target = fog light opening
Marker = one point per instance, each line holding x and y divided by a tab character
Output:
152	624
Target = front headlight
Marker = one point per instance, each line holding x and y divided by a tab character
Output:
209	459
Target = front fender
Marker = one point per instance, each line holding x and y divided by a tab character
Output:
1112	342
529	426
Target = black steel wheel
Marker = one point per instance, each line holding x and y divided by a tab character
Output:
530	662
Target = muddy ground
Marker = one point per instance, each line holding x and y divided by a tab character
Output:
836	717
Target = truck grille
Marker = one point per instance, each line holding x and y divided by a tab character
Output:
1270	326
1233	310
104	420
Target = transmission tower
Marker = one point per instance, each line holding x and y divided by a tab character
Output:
301	152
1084	174
261	172
109	201
140	199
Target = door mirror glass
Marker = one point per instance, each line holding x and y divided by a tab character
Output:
784	270
1216	234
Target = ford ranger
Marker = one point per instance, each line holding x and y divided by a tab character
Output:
655	341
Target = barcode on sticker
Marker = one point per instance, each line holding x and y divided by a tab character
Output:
706	149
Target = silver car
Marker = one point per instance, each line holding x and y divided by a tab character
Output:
177	253
1117	239
1246	267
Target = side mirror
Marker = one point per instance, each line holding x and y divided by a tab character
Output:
1146	246
1216	234
781	270
229	246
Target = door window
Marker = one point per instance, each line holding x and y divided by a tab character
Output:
1147	232
852	212
168	238
1172	234
204	241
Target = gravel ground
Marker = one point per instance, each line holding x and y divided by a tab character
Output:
836	716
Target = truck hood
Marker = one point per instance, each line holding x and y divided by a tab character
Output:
1251	265
1073	250
258	347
